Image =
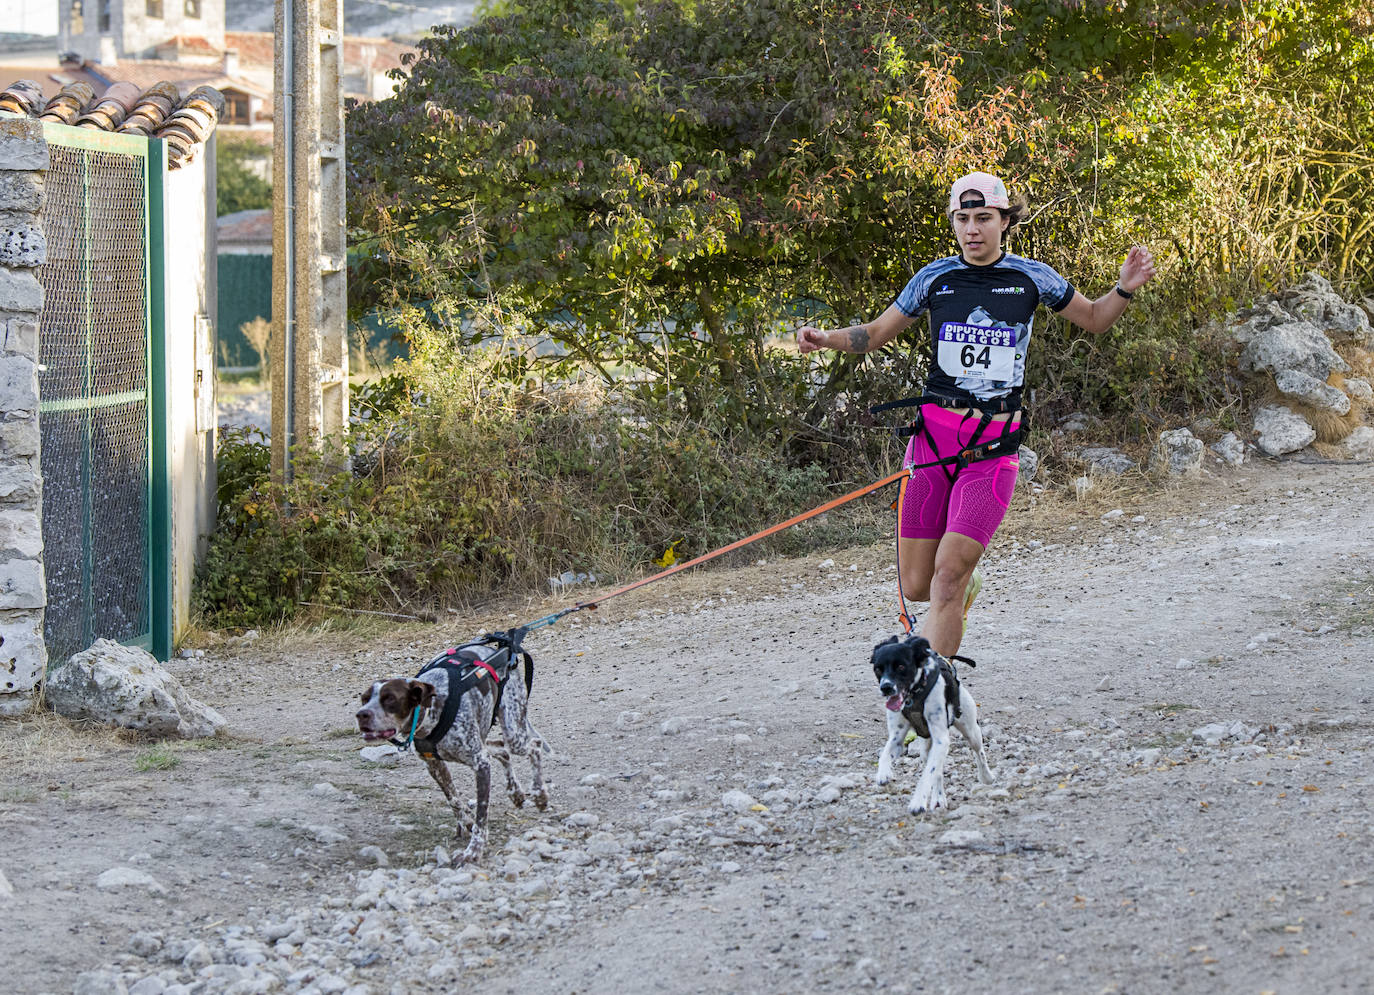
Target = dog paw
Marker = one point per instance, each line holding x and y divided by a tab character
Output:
541	800
517	799
925	801
468	856
882	779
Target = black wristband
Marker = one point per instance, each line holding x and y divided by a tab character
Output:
1123	293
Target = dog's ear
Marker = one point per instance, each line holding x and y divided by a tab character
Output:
420	693
877	666
920	647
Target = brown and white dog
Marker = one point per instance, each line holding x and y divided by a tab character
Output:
447	712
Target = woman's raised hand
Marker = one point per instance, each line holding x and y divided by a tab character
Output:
1138	269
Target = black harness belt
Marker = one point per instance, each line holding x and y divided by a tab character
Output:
1006	443
467	667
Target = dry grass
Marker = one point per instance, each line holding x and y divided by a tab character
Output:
1329	426
258	332
1049	515
40	742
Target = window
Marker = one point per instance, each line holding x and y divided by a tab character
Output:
154	8
193	8
105	16
78	18
237	109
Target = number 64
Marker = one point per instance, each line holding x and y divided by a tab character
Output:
969	355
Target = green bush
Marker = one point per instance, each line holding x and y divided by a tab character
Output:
238	185
661	191
482	486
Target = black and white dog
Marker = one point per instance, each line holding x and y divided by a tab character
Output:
447	711
924	695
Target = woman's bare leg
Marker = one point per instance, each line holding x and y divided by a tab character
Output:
916	564
955	557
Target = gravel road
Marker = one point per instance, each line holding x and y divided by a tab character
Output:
1175	686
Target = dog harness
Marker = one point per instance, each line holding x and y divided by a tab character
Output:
466	667
914	710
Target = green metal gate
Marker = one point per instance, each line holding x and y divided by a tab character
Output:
102	394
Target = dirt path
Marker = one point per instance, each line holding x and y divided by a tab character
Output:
1177	704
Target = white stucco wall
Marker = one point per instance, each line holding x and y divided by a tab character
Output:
190	307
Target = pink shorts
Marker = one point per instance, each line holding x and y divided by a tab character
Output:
977	500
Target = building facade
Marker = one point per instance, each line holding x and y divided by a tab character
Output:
106	31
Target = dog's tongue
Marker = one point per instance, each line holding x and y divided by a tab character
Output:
894	704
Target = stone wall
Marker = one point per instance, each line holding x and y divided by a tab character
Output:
23	658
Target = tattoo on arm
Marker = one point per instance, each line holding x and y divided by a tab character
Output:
856	339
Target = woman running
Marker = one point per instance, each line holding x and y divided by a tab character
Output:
982	303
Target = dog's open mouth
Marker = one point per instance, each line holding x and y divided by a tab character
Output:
894	703
372	734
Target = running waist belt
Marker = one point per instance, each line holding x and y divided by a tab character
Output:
1007	443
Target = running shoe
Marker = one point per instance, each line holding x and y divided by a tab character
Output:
975	584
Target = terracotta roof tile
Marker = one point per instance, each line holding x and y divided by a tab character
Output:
51	80
380	54
255	49
146	72
190	45
184	112
245	227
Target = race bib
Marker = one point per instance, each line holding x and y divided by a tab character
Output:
977	351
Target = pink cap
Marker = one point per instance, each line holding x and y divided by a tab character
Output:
978	190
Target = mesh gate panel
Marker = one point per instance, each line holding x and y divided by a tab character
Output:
64	532
119	515
118	279
93	391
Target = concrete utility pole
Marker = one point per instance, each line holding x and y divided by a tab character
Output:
309	247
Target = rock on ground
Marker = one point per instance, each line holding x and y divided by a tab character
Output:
1177	452
1282	430
1359	444
125	686
1299	345
1313	392
1105	459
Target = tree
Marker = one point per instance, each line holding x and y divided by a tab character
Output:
663	190
239	184
667	188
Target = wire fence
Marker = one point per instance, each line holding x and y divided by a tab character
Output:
95	404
